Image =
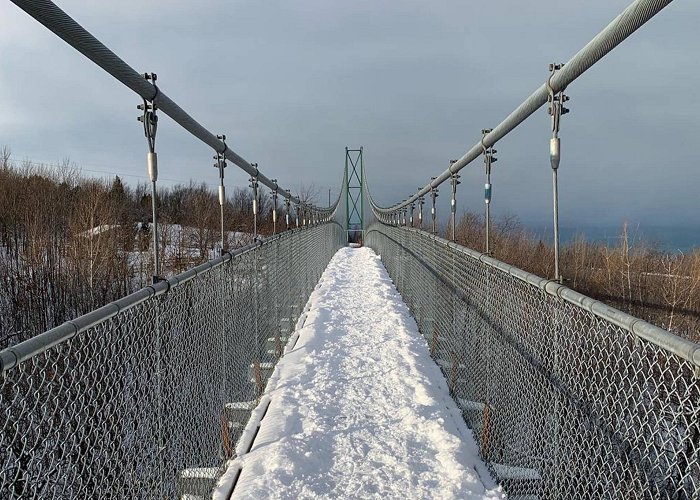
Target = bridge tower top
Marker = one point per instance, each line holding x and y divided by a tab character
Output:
354	194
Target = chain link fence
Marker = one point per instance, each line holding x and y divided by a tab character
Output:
147	396
566	397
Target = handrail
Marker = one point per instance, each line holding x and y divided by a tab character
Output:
12	356
680	346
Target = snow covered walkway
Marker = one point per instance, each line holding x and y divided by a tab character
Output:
356	408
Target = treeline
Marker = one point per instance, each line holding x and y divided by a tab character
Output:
633	276
69	244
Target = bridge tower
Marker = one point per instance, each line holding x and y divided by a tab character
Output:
354	197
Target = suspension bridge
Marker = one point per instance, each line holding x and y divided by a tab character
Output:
453	375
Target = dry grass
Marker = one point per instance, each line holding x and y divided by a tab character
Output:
635	277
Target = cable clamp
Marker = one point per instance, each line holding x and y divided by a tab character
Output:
148	116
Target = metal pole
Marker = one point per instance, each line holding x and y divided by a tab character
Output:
221	165
150	127
254	185
453	203
274	208
287	208
489	159
433	195
556	109
421	201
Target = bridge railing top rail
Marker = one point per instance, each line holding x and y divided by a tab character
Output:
675	344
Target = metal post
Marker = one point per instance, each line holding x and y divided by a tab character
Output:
433	213
254	185
150	127
221	165
287	209
421	202
556	109
453	202
274	208
489	159
413	211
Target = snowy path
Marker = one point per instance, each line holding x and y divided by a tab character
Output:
357	409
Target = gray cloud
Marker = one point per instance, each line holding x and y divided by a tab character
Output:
293	83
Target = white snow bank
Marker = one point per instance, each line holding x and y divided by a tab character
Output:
357	407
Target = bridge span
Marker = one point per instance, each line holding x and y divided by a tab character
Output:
532	385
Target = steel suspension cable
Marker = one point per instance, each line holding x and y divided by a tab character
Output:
56	20
629	21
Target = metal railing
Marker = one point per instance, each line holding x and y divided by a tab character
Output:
147	396
567	397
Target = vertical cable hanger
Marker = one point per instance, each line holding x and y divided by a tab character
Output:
221	165
274	208
556	109
454	178
421	202
489	159
254	186
433	212
150	127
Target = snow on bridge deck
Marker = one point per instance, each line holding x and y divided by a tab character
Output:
357	408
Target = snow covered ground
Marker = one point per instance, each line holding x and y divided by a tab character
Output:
357	409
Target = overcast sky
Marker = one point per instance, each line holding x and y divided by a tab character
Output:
292	83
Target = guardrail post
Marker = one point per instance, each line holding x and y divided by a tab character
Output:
413	211
221	165
556	109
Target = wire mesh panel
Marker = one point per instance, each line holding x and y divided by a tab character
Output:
150	401
563	402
